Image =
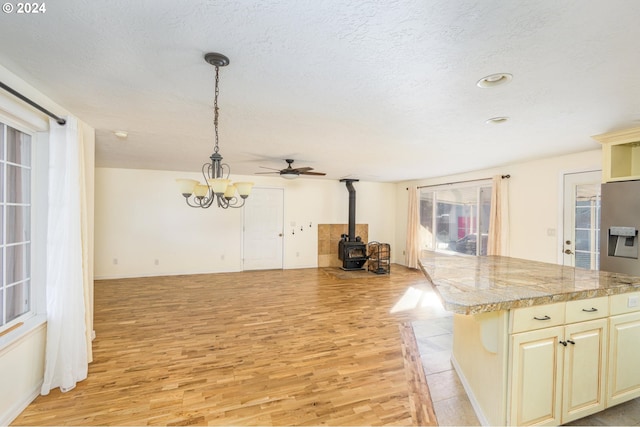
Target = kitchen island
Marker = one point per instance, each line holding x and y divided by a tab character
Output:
537	343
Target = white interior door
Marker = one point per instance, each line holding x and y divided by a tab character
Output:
581	224
263	229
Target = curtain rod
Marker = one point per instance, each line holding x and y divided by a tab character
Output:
60	120
461	182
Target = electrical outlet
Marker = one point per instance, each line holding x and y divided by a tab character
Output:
156	261
222	257
115	261
633	301
297	254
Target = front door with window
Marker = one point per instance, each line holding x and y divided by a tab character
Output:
581	225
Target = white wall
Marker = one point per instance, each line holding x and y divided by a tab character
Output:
535	191
22	372
320	201
141	217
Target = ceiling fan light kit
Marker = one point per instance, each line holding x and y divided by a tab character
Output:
290	175
218	187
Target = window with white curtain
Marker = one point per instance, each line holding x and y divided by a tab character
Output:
15	217
455	219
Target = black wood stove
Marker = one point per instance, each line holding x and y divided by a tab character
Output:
351	249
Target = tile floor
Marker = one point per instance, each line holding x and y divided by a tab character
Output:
450	402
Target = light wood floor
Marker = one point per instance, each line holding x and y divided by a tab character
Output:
293	347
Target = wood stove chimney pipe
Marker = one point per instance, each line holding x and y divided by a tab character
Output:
352	207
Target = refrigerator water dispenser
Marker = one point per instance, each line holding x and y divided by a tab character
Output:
623	242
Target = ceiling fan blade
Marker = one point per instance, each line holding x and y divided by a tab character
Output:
290	171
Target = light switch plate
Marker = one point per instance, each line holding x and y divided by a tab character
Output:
633	301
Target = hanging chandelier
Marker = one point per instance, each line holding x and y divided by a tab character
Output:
218	188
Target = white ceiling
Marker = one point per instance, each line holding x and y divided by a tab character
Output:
381	90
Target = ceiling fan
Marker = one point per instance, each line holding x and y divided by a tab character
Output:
290	172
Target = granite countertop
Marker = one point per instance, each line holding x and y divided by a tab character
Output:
471	285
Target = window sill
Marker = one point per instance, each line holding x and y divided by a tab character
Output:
17	335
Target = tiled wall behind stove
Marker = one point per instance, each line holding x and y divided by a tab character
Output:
328	238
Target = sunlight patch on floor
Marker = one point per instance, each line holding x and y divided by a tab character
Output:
416	298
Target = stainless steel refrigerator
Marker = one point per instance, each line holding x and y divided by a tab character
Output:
620	222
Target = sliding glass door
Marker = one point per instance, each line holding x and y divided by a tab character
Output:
455	219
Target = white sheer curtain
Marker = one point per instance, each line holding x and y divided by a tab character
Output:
412	249
86	224
66	360
498	239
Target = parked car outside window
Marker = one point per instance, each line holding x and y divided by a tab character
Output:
467	244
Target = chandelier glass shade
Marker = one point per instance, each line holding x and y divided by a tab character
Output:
218	189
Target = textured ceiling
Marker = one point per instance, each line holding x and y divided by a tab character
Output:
377	89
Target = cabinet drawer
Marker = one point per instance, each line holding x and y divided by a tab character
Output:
624	303
536	317
587	309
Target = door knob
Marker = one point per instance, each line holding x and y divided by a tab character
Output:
568	251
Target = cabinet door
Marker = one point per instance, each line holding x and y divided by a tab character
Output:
536	363
624	358
583	388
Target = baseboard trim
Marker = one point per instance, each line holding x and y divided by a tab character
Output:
8	417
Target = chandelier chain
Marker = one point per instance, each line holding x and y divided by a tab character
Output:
215	109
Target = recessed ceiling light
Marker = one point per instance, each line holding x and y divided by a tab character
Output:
496	120
121	134
494	80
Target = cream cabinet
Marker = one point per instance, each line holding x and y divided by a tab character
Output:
558	372
620	155
554	363
585	362
624	351
624	358
536	377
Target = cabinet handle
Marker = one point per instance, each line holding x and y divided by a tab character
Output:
571	342
564	343
542	318
590	310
